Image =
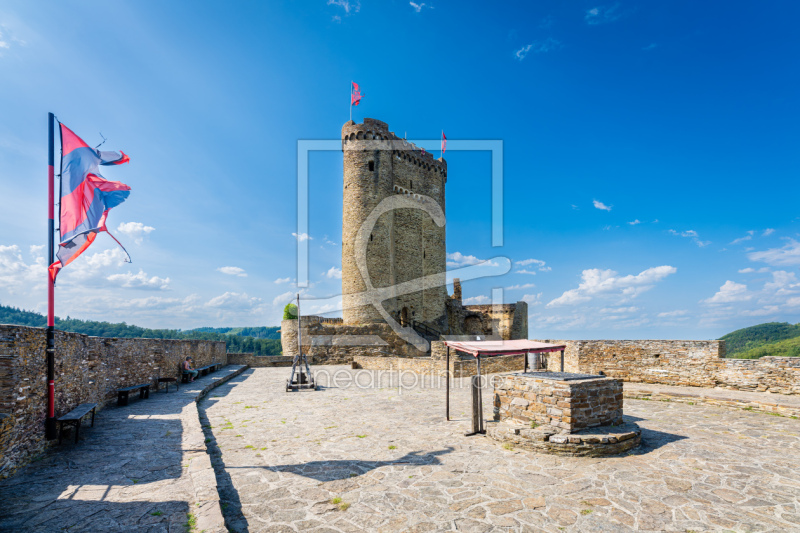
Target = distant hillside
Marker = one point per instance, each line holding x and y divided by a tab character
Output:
261	332
761	339
784	348
236	342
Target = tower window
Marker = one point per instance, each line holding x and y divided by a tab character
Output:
412	184
371	166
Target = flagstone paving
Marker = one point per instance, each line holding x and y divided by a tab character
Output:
142	467
384	459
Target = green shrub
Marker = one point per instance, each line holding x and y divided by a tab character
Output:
290	312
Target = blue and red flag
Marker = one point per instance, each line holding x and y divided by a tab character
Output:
86	197
355	94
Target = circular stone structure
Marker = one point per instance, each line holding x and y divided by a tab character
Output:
593	442
562	413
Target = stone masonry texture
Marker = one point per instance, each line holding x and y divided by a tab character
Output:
678	362
566	406
87	369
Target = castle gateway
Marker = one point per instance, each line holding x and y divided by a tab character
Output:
393	244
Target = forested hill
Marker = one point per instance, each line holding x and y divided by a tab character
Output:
265	341
261	332
772	338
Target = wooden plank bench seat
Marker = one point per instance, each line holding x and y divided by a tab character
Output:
122	394
167	381
73	418
206	369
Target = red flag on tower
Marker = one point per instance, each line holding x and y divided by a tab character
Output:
355	94
444	143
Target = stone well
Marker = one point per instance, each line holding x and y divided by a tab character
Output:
562	413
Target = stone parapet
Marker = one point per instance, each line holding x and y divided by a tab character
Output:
678	362
259	361
87	370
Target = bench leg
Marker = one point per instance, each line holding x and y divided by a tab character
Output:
147	392
77	430
122	398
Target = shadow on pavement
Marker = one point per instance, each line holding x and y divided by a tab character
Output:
229	497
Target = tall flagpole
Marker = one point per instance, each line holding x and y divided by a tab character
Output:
50	349
351	100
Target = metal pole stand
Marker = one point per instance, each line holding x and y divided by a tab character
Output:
304	380
477	404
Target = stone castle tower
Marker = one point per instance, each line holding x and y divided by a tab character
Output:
404	244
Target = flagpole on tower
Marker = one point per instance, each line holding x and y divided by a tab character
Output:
50	346
351	100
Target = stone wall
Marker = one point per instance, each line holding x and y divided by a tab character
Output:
325	344
566	406
677	362
459	367
768	374
259	361
87	369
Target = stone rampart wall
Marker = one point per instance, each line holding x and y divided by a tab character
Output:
677	362
259	361
87	370
325	344
460	367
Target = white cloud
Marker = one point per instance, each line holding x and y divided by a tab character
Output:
233	301
750	270
135	230
418	7
283	299
476	300
520	287
328	241
532	299
596	282
691	234
602	14
349	7
730	292
282	280
233	271
767	232
538	47
141	280
618	310
526	262
788	255
532	262
457	259
333	273
672	314
600	205
302	237
635	222
747	237
16	274
649	47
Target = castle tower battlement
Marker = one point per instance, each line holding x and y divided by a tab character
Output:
405	244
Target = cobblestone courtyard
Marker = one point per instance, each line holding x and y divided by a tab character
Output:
384	459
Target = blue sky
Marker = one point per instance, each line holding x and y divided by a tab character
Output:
650	152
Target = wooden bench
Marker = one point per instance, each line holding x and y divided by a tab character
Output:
122	394
206	369
167	381
74	417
